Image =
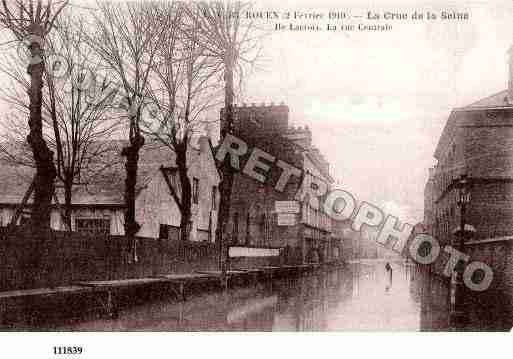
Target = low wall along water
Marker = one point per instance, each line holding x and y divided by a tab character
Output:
68	258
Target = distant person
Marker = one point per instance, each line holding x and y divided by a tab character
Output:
388	269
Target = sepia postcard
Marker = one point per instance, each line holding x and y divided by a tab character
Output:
253	166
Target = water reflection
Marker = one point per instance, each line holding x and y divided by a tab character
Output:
432	293
371	306
352	298
484	311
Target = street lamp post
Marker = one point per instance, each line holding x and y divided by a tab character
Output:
457	311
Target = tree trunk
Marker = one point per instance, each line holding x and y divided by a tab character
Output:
44	180
186	191
67	205
131	152
43	157
185	227
225	187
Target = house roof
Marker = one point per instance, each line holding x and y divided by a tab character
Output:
497	101
106	189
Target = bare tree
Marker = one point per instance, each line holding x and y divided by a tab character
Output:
126	37
30	22
78	110
75	106
235	43
184	87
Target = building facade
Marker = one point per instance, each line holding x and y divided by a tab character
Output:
253	220
476	142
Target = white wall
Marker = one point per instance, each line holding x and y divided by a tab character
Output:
155	205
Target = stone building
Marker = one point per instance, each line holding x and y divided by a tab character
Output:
253	220
477	141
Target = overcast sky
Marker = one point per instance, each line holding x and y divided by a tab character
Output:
377	102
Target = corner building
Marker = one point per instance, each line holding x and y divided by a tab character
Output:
253	220
477	141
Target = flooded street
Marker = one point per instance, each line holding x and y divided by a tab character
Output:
347	299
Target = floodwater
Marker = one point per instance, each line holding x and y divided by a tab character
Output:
354	298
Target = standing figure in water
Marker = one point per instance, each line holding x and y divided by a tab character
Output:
388	269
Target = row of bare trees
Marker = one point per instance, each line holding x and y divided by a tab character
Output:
142	70
29	23
74	121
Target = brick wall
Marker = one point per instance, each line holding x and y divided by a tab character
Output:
497	301
491	208
488	140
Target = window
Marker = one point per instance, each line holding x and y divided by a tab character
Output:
304	213
248	228
210	228
265	228
24	220
93	225
214	197
235	233
263	220
195	190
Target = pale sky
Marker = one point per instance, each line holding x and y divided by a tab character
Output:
377	101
